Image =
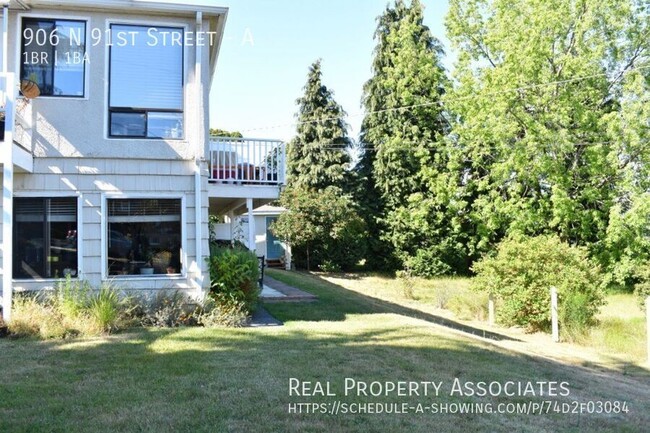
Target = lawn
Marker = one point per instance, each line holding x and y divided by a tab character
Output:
237	380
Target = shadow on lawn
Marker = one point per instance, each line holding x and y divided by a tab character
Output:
193	379
335	302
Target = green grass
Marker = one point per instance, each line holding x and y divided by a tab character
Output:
237	380
621	329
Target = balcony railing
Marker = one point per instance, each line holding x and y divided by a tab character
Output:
7	101
247	161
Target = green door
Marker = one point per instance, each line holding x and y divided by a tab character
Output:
273	248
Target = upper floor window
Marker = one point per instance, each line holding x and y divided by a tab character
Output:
53	56
146	82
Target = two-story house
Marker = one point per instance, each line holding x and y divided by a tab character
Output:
108	168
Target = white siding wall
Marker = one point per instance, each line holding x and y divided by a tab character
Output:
73	155
96	179
76	127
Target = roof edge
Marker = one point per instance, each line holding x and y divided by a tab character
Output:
139	5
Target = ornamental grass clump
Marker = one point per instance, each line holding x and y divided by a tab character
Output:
72	309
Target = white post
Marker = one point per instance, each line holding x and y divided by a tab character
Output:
251	225
491	310
554	318
8	198
287	257
647	313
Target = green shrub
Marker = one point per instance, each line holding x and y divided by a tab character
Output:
234	275
323	228
167	310
642	287
215	313
407	284
427	263
520	276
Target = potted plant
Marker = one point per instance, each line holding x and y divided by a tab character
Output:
147	268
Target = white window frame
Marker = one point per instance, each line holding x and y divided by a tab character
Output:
104	236
80	232
51	16
107	50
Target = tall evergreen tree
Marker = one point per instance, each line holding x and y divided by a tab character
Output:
322	221
403	128
318	156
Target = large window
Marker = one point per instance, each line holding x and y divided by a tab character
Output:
54	56
144	236
45	237
146	82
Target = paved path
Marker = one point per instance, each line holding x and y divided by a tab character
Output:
287	292
277	291
261	317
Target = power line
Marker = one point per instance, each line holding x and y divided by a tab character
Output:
335	147
462	98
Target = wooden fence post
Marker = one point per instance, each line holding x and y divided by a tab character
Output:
554	318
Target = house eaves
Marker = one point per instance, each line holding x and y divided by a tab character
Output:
215	15
179	8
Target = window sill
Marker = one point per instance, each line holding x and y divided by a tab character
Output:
173	277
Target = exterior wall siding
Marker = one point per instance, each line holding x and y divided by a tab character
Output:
97	179
73	156
77	127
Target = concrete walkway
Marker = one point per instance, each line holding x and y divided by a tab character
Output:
277	291
261	318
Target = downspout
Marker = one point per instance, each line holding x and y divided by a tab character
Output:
7	176
198	205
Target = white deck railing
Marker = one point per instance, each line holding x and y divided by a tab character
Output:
247	161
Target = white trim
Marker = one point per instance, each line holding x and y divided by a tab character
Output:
251	225
105	196
186	98
129	5
7	200
198	216
220	29
62	17
48	194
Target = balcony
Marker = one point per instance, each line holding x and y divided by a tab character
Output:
245	173
247	161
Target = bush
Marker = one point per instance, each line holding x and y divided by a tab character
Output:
73	309
217	314
166	310
323	228
521	274
234	275
642	288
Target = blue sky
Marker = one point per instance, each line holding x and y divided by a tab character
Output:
269	45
